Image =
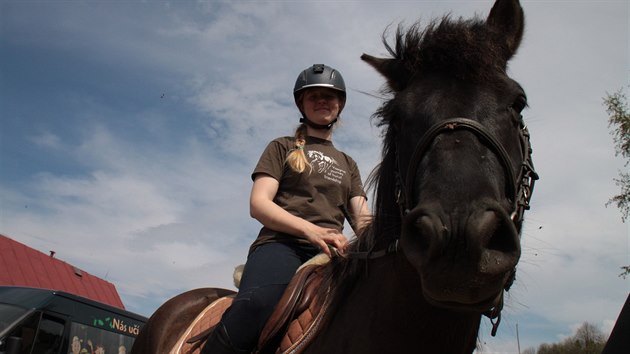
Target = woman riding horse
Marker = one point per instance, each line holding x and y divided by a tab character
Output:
303	187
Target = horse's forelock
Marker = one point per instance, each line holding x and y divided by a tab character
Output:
462	49
466	49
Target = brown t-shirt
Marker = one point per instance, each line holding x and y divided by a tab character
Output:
319	195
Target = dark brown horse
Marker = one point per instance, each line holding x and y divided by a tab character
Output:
451	190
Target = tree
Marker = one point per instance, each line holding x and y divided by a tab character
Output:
619	120
588	339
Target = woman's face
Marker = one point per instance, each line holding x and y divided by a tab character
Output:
321	105
76	345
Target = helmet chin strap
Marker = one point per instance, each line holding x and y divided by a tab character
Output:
317	126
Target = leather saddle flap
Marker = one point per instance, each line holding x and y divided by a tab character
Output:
296	312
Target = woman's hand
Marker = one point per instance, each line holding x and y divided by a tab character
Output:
322	237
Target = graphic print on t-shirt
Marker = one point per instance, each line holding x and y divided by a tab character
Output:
326	166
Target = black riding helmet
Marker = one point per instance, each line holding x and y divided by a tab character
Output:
319	75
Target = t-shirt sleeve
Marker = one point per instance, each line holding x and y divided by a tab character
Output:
272	160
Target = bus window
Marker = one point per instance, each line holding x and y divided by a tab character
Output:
10	314
84	338
50	335
25	333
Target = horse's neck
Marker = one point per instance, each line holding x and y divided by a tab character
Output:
388	313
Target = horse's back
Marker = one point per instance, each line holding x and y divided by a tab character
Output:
170	320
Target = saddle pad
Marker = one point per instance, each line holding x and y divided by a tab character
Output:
302	329
206	319
297	315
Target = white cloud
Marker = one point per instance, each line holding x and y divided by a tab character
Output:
46	140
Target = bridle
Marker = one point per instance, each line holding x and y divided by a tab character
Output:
520	188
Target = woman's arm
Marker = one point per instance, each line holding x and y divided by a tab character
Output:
360	213
264	209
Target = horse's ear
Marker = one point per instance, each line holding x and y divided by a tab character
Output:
391	69
508	20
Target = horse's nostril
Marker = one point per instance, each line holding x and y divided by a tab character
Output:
502	239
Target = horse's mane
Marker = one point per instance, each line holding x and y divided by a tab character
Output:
462	49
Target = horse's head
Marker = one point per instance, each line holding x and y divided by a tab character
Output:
460	152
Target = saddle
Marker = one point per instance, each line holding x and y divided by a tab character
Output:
292	325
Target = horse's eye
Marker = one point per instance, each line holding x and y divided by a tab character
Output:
519	104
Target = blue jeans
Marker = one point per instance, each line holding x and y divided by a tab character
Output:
267	273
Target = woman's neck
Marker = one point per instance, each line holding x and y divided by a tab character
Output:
320	133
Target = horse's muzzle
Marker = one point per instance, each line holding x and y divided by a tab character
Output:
464	258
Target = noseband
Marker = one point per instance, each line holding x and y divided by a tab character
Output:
520	189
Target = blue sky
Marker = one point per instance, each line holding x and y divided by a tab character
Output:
129	129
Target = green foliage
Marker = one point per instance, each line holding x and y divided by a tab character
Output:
587	340
622	200
619	121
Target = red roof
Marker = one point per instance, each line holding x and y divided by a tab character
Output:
21	265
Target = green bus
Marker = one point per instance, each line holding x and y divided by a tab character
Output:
40	321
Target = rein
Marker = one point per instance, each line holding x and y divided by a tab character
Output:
391	248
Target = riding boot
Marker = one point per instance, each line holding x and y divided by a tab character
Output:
219	343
